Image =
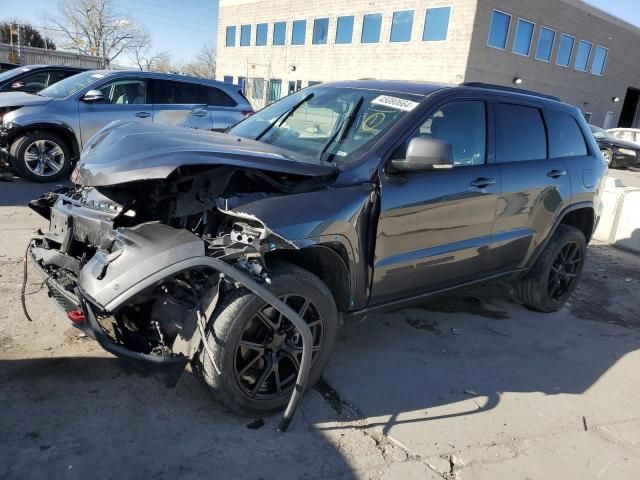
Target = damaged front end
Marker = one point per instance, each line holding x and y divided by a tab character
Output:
141	266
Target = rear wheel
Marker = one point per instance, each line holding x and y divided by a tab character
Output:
555	275
41	156
257	352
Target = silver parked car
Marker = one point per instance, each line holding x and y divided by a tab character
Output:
42	135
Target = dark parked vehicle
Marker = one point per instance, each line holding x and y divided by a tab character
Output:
333	203
33	78
7	66
616	152
41	135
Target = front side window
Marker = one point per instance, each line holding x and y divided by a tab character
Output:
35	81
320	31
565	136
298	32
230	38
599	60
125	92
401	26
344	29
524	35
545	44
565	50
436	24
245	35
328	123
520	133
499	30
462	125
582	57
371	25
261	34
279	33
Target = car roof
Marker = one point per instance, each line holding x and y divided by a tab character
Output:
37	66
163	76
426	88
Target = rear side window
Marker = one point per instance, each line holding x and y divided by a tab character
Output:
215	96
565	136
169	92
520	133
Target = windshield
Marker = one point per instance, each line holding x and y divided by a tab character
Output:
71	85
330	124
599	132
9	74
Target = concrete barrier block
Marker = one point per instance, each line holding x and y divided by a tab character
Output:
627	228
611	200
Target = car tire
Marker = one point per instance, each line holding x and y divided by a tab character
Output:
237	369
40	156
556	273
608	156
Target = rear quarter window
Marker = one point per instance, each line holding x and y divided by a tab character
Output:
565	136
520	133
216	97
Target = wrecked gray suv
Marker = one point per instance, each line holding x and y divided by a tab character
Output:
243	253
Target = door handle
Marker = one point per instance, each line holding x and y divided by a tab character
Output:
199	113
556	173
483	182
143	114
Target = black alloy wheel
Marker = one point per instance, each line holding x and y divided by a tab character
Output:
564	270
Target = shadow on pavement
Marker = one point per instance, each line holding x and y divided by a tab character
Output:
19	192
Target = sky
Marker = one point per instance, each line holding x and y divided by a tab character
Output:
179	27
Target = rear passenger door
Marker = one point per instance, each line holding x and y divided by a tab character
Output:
180	103
536	185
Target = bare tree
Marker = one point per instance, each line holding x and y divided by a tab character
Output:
94	27
145	59
204	63
31	36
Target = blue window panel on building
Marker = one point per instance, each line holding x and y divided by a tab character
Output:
499	30
401	26
371	25
230	40
261	34
599	60
545	44
245	35
524	35
279	33
344	29
565	50
227	79
582	57
436	24
298	32
320	31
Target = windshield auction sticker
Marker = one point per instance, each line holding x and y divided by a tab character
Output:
395	102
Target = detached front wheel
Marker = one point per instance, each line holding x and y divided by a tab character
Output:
257	352
40	156
555	275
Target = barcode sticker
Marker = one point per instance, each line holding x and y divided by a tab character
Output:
395	102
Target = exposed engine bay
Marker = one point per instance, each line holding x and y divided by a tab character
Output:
141	266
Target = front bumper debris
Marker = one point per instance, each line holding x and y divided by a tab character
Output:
130	262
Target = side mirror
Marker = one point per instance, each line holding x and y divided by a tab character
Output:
425	154
17	85
92	96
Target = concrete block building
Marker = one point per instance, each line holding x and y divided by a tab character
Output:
560	47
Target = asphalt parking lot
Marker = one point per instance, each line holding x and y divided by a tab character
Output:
468	386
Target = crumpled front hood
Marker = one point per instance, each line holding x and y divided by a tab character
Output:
128	151
21	99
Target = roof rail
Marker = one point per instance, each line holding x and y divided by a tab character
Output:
510	89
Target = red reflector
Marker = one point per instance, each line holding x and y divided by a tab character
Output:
76	316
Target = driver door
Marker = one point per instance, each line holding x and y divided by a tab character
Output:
124	99
434	228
